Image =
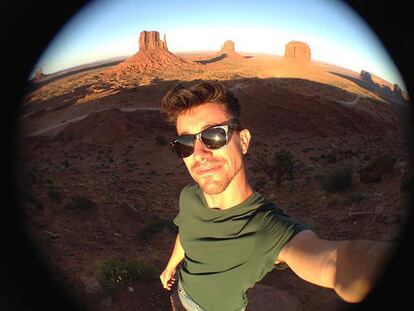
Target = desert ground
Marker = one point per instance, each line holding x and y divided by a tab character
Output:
98	182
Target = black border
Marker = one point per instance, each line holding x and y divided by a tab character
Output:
26	28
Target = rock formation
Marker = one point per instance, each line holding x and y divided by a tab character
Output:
396	89
366	76
153	56
298	51
228	47
382	88
229	51
150	40
38	75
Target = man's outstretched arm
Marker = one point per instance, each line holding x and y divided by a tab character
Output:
349	267
167	276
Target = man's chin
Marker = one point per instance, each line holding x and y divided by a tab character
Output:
212	187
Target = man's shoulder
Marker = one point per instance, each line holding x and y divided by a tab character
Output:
269	212
268	207
190	196
271	217
189	189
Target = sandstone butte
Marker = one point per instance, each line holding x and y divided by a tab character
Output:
153	55
229	51
297	50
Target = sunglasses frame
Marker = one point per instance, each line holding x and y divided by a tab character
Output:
228	126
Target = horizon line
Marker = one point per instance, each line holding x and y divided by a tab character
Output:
194	52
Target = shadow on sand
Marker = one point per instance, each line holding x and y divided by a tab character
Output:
383	92
216	59
212	60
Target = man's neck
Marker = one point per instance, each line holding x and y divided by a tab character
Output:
236	192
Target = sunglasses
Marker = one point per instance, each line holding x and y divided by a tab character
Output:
214	138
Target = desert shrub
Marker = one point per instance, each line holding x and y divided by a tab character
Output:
280	167
337	180
283	165
80	203
32	175
407	185
29	198
161	140
355	197
114	274
331	158
55	194
154	227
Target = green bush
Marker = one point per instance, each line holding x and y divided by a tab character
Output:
154	227
55	194
355	197
280	167
80	203
114	274
331	158
338	180
161	140
407	185
283	165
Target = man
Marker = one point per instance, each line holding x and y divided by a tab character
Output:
229	236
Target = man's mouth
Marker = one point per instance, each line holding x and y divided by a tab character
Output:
207	170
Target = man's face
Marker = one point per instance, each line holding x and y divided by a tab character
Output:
213	170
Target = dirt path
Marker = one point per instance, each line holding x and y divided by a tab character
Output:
350	103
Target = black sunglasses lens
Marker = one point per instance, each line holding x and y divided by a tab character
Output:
184	145
214	138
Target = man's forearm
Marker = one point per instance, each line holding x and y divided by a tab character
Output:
359	264
177	254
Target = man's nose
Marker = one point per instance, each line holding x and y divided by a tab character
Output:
200	151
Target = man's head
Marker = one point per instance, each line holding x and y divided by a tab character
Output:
180	99
214	157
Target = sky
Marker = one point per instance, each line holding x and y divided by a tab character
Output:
104	29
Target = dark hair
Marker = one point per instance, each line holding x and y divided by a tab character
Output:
180	99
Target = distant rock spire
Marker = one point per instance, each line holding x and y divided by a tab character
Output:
228	47
165	42
153	56
150	40
38	74
298	50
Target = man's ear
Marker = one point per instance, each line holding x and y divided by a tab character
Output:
244	140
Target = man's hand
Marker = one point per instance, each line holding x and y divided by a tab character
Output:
167	278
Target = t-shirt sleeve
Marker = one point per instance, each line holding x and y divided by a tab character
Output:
178	219
277	229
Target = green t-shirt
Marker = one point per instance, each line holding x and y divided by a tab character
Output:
228	251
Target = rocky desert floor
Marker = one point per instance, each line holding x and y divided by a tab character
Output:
95	172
